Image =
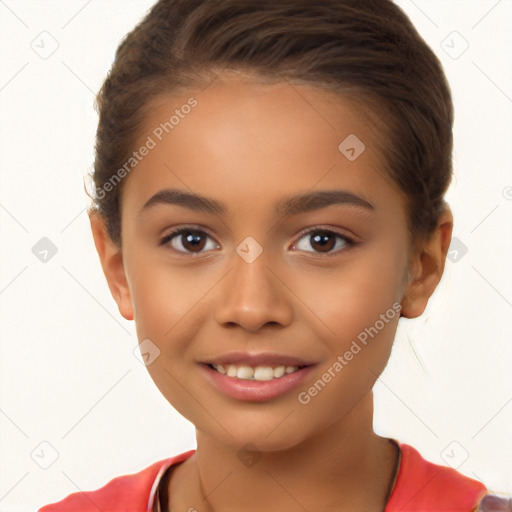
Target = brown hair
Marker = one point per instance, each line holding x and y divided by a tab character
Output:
365	49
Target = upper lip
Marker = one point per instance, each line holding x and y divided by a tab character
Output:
258	359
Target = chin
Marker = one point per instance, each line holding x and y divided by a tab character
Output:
259	440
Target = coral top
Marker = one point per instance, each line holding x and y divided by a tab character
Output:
420	486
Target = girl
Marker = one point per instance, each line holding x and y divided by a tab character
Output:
269	201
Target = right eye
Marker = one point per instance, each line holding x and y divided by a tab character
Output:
187	240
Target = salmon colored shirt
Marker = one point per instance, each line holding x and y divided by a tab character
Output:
420	486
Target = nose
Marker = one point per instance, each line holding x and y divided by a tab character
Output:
253	295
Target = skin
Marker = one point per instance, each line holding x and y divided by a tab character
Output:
250	145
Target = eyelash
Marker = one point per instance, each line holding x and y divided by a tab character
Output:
350	243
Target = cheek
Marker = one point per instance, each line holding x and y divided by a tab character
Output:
162	295
353	296
359	340
171	308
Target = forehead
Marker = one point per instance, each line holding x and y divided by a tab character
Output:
245	142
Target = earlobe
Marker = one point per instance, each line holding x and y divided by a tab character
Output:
111	259
426	268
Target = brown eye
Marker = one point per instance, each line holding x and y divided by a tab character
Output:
325	241
187	240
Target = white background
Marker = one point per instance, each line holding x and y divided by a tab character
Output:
68	374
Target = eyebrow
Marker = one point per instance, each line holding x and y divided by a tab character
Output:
286	207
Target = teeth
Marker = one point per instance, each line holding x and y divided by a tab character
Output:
257	373
263	373
280	370
245	372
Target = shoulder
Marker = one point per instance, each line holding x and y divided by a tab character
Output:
127	493
423	485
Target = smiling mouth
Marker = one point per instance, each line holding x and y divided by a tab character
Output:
261	373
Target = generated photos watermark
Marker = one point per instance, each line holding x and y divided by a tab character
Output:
304	397
150	143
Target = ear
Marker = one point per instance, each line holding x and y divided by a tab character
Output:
426	267
111	259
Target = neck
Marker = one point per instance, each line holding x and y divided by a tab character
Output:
345	467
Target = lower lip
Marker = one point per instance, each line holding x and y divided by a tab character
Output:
255	390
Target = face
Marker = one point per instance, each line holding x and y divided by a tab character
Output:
262	274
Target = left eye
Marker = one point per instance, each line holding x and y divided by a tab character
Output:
325	240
